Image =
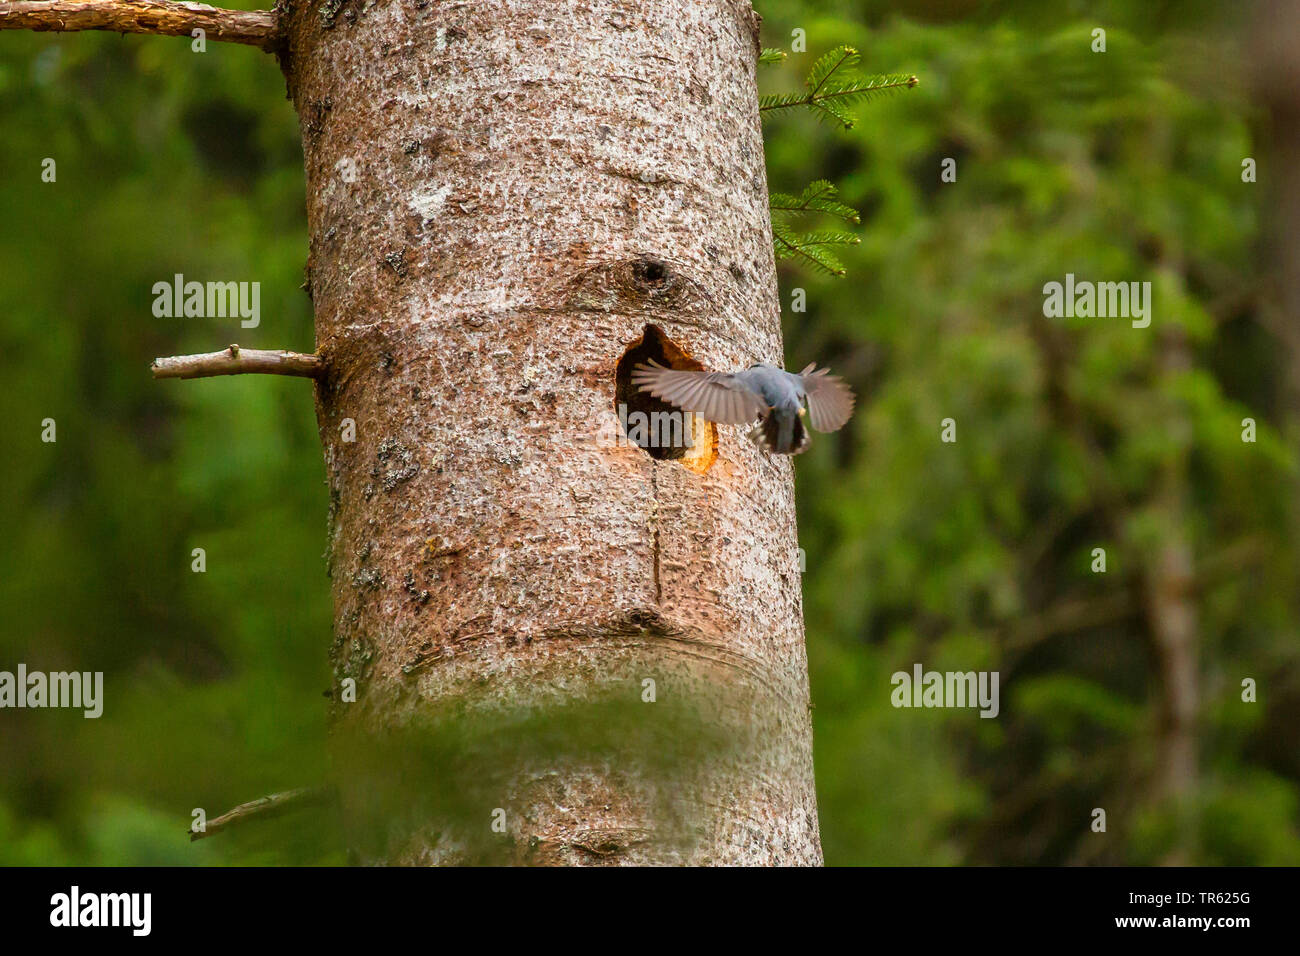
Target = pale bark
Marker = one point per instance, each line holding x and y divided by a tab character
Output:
501	196
160	17
265	808
236	361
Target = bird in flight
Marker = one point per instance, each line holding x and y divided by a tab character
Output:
778	400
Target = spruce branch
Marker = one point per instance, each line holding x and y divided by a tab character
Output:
160	17
771	55
834	84
828	237
819	196
842	58
811	248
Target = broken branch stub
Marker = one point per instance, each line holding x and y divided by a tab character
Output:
236	361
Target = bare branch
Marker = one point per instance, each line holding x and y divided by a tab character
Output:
264	808
237	361
161	17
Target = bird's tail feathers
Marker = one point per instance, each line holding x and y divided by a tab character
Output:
783	433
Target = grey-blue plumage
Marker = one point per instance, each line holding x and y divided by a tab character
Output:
784	395
777	397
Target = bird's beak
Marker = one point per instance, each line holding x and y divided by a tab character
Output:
802	411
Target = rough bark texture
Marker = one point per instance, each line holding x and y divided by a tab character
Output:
502	195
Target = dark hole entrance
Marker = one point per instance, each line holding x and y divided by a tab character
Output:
662	430
650	271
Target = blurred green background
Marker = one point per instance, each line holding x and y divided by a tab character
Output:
1071	435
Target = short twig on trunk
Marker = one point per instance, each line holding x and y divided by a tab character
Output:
237	361
265	808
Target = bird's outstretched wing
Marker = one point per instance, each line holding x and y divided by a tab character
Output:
718	396
830	401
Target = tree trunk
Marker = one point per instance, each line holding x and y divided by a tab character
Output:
1275	55
504	197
